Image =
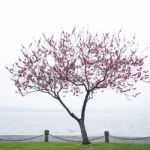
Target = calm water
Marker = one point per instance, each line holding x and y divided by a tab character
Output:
60	123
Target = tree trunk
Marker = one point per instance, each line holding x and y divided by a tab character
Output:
85	139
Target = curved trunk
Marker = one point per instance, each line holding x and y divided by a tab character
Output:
85	139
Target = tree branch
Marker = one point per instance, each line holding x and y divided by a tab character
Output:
77	84
96	86
67	109
84	105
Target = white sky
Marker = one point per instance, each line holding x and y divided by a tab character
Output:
23	20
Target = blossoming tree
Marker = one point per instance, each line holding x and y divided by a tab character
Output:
81	63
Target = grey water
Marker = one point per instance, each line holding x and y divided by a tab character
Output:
119	123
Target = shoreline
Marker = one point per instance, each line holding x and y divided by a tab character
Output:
63	138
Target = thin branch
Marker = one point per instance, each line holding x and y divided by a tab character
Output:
59	90
85	71
28	92
96	86
77	84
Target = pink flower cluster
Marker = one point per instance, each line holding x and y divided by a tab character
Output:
80	61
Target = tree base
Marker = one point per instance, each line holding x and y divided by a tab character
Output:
86	142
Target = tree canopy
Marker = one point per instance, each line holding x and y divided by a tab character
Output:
80	62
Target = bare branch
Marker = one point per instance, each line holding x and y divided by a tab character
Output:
67	109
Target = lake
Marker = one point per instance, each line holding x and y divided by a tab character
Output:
134	124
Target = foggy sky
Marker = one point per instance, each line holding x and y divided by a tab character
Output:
26	20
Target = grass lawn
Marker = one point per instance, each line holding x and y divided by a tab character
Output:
69	146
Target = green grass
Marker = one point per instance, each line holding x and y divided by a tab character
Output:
69	146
